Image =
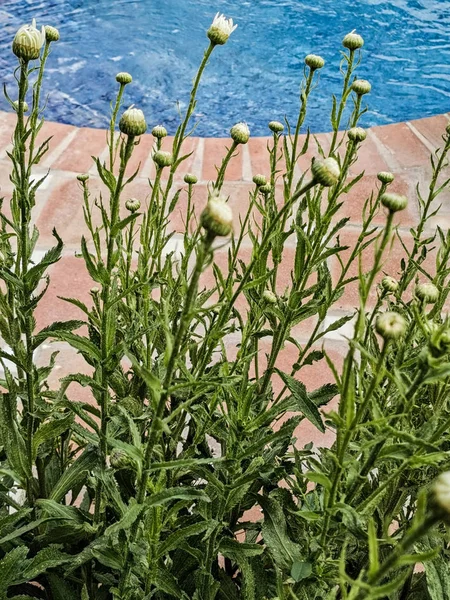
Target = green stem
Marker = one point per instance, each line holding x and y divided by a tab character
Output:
223	167
343	102
112	126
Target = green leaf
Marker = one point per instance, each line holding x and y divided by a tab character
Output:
304	404
80	343
75	474
11	568
50	431
12	439
173	540
132	513
274	532
179	493
47	332
45	559
301	570
61	589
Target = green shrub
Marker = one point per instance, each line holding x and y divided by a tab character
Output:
146	492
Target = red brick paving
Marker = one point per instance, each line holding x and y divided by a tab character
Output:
402	148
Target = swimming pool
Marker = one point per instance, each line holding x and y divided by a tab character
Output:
255	77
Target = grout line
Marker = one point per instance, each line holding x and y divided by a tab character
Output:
421	137
197	162
54	154
246	164
384	152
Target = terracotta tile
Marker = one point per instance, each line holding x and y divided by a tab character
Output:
353	201
215	151
259	155
78	155
370	159
404	146
68	278
58	132
432	128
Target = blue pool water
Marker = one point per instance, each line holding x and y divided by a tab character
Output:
255	77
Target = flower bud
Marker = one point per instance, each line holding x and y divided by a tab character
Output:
220	30
427	292
385	177
353	41
389	284
439	342
28	42
123	78
276	126
118	459
24	105
51	33
163	159
269	297
133	205
131	405
83	177
357	134
217	217
94	291
159	132
265	189
361	87
440	492
259	180
240	133
394	202
190	178
133	122
391	325
326	172
313	61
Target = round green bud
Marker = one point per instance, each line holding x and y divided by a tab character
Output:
24	105
163	159
314	62
123	78
28	42
94	291
389	284
159	132
353	41
361	87
131	405
269	297
217	217
259	180
83	177
133	205
118	459
427	292
51	33
265	189
240	133
325	172
385	177
394	202
276	126
133	122
220	30
190	178
391	325
439	342
357	134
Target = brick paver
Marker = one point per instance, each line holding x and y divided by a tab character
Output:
402	148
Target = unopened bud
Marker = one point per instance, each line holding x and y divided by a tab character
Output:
133	122
313	61
357	134
325	172
269	297
389	284
440	493
353	41
83	177
266	189
391	325
163	159
394	202
123	78
51	33
133	205
385	177
28	42
159	132
276	126
240	133
217	217
361	87
190	178
259	180
427	293
24	106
